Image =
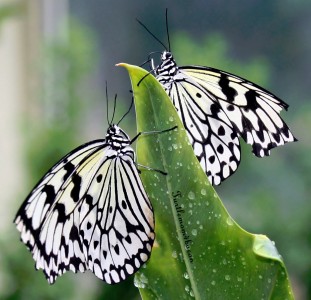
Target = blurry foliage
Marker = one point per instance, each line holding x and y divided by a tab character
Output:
21	281
9	10
214	51
64	67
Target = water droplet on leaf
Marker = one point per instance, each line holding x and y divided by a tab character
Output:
191	195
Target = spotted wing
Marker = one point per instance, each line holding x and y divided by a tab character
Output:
213	138
217	108
117	222
53	217
253	111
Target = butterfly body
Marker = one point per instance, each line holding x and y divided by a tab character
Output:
217	108
90	211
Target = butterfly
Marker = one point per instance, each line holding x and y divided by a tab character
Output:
218	108
90	211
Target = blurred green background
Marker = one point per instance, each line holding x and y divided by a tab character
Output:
55	56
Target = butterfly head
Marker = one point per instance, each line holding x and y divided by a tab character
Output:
117	138
166	56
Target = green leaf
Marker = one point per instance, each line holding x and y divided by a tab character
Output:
200	251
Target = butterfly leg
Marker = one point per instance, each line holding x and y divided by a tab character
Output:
150	169
144	77
145	62
152	63
151	132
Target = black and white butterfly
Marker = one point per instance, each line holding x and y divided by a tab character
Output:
217	108
90	211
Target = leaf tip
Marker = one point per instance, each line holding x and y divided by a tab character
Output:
264	247
124	65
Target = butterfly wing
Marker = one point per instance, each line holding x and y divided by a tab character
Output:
217	108
253	111
51	219
117	222
35	210
211	133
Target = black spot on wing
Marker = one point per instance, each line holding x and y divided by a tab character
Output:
128	239
198	95
64	245
233	135
215	109
212	159
117	249
252	103
88	226
276	136
74	233
221	131
124	205
75	192
99	178
69	167
271	145
61	209
88	199
228	91
50	193
220	149
231	147
230	107
260	132
286	132
257	148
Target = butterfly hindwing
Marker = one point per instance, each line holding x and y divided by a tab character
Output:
211	134
118	231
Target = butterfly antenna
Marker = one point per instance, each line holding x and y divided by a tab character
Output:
145	62
114	107
107	103
127	111
167	31
144	26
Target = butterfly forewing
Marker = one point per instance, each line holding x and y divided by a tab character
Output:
90	211
33	212
253	111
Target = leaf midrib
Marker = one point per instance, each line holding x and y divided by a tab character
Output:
177	225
